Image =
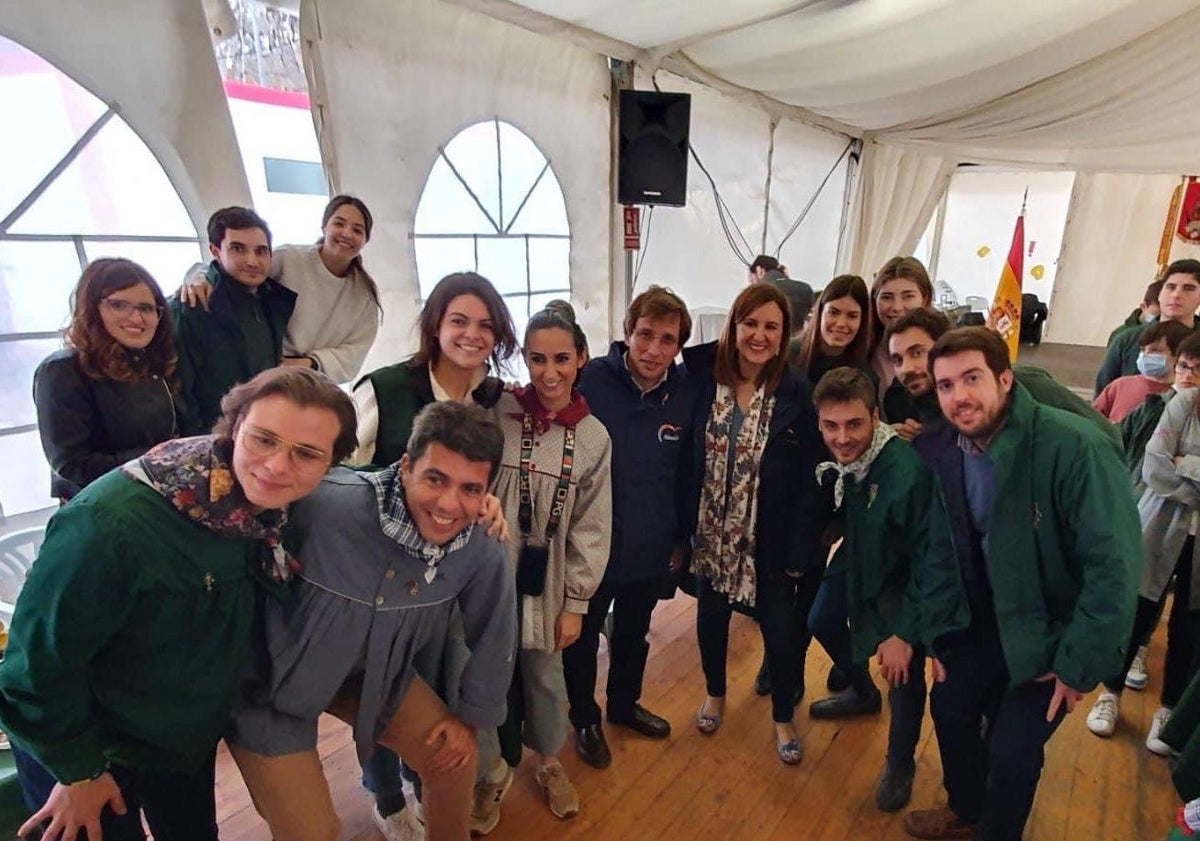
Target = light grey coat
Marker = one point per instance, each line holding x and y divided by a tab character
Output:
1172	496
579	552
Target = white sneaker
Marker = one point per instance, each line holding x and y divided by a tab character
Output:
1136	677
401	826
1102	720
1153	743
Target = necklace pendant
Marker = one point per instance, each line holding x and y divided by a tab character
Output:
413	587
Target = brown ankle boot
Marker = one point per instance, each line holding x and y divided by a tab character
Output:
937	823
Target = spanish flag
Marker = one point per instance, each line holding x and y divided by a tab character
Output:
1005	315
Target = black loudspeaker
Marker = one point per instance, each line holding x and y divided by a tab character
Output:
652	162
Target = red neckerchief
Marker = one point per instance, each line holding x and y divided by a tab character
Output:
527	396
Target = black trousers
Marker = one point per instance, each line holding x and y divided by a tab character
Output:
777	606
1182	661
990	777
178	807
632	604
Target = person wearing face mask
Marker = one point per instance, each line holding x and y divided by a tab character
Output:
1178	301
337	309
1147	312
1156	370
110	395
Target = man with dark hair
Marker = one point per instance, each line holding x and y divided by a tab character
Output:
387	556
643	399
910	402
885	495
1034	604
1157	345
1146	312
241	332
1177	301
763	264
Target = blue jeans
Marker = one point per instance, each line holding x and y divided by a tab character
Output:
990	777
178	807
830	626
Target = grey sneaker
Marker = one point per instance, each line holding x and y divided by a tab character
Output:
561	796
485	805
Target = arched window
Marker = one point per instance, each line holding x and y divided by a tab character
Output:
492	204
76	183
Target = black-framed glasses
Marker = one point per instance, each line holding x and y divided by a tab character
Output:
264	444
122	308
1182	367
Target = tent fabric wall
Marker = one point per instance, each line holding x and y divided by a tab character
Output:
1109	254
397	80
897	193
168	90
687	248
1129	110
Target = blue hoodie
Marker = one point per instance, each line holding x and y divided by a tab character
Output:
651	444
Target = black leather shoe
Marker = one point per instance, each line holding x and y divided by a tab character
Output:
591	747
645	722
837	680
849	703
894	789
762	681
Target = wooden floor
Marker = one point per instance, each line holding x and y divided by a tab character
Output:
731	786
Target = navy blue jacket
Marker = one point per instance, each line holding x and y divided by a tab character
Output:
651	435
791	513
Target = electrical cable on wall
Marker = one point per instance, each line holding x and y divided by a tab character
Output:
645	246
813	200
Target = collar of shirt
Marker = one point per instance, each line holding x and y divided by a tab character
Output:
441	396
396	523
644	391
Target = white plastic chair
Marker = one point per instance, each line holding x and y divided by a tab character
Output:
18	551
978	303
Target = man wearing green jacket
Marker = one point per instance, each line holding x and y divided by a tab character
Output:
884	496
240	334
1033	604
910	402
1178	301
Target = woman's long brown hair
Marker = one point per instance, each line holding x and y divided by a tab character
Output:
99	355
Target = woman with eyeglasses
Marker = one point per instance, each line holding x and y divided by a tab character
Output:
137	619
110	394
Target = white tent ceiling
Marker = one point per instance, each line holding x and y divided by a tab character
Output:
1100	85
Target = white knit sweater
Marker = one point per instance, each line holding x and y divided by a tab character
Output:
335	319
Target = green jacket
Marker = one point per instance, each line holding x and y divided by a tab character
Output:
886	532
401	391
1136	428
240	335
128	636
1183	734
899	405
1063	547
1134	320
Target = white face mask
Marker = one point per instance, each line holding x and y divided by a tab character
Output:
1153	365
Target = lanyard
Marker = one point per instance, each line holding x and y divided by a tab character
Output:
525	512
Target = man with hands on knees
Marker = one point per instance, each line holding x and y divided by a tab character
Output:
1027	602
384	557
883	495
134	624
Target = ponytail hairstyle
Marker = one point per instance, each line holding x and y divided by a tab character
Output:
559	315
356	265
